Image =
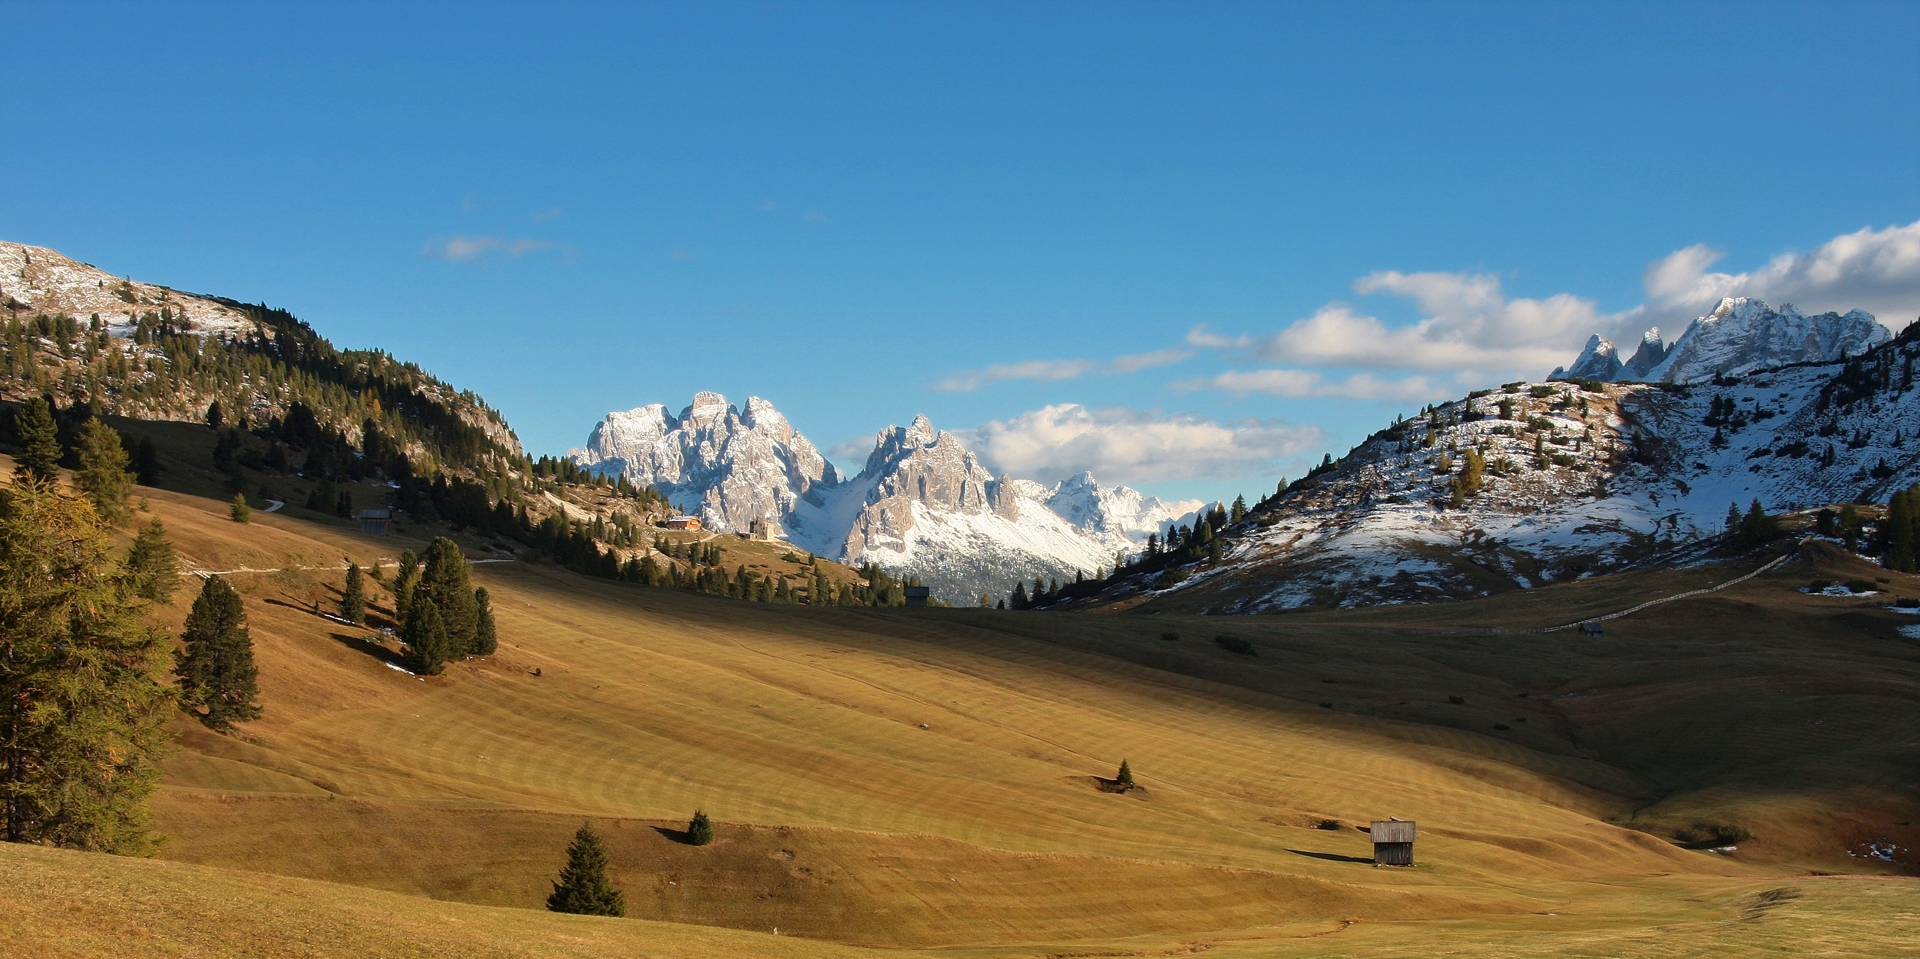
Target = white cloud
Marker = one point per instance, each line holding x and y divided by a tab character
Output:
1121	445
1472	330
1873	270
460	249
966	381
1301	384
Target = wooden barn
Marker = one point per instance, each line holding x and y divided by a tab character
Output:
1393	843
918	595
682	522
374	522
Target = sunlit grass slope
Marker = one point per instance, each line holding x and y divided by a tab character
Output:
926	779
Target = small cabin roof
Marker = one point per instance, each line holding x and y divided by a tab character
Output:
683	519
919	591
1392	830
374	514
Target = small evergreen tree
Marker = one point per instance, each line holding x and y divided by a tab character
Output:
1124	778
103	472
425	634
583	887
239	511
153	568
485	641
699	829
405	578
445	578
39	440
353	596
216	666
215	416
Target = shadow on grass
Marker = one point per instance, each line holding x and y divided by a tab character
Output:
674	835
361	644
1332	856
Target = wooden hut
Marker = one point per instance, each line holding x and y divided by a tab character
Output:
918	595
682	522
1393	843
374	522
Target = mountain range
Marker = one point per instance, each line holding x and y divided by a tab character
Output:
923	504
1740	334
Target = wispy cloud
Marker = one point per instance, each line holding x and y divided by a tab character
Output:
815	216
462	249
1122	445
766	206
1303	384
543	216
682	255
967	381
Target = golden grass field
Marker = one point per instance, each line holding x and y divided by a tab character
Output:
924	781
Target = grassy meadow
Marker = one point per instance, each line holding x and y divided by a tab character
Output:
928	782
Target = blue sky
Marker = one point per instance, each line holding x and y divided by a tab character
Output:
1189	246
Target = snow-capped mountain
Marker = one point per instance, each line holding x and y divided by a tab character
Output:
1579	479
1740	334
922	505
727	466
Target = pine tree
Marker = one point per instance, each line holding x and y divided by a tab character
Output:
1124	778
84	723
215	416
699	829
485	641
428	647
39	440
216	666
1239	509
405	578
146	463
1733	518
239	511
583	887
153	568
353	596
445	579
103	472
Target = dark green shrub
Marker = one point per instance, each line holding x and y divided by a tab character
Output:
699	829
1235	644
1170	637
1861	586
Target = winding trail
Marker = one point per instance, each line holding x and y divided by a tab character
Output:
1776	561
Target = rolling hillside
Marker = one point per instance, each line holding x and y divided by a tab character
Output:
929	779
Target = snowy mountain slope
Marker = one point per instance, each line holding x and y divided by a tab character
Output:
44	281
1740	334
727	466
923	504
1579	480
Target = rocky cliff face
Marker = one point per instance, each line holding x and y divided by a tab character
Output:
727	466
1741	334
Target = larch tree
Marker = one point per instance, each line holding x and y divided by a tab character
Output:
153	568
583	887
216	665
82	710
39	440
103	472
238	510
486	640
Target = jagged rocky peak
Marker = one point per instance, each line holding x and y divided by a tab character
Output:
727	466
1740	334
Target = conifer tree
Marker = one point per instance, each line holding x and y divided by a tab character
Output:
103	472
216	666
83	726
699	829
239	511
1239	509
1124	778
428	647
39	441
485	641
583	887
353	596
153	568
405	578
445	579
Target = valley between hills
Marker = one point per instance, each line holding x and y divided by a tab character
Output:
1726	774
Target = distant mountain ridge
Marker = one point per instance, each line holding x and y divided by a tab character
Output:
1740	334
922	505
